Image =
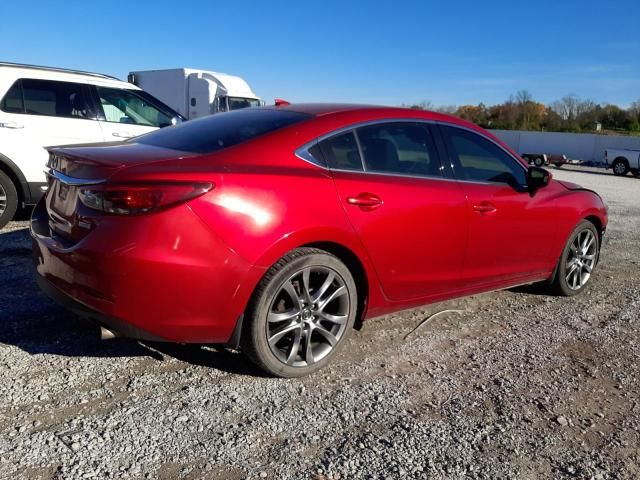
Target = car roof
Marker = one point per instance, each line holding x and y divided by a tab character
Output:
326	109
19	70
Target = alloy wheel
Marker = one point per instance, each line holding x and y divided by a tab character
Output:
3	200
581	259
620	168
308	316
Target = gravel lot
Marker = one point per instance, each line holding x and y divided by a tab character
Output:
521	385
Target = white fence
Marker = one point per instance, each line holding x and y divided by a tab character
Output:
587	147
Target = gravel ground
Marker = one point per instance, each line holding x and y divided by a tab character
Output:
521	385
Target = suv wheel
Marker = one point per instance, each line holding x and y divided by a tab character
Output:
301	314
620	167
538	161
8	199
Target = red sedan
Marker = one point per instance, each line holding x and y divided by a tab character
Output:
276	229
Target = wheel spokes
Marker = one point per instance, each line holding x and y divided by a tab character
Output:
282	331
338	292
295	346
308	316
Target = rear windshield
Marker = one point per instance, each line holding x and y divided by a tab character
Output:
215	132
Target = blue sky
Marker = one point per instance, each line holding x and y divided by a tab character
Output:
385	52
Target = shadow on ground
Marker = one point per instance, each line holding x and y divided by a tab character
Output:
35	324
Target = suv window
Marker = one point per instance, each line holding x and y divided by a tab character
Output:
12	101
340	152
47	97
215	132
128	106
399	147
478	159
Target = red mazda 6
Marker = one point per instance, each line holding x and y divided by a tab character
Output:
276	229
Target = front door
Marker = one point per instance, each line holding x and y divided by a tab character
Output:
411	220
511	230
126	114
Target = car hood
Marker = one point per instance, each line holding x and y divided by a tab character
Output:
570	185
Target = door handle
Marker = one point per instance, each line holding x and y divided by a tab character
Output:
485	207
122	135
13	125
365	200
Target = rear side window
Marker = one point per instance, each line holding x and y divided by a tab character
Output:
341	152
215	132
405	148
49	98
12	101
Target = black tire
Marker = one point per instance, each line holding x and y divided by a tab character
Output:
635	173
538	161
560	283
306	327
620	167
558	165
8	199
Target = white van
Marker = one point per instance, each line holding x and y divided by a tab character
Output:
44	106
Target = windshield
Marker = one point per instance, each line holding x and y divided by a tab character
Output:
215	132
236	103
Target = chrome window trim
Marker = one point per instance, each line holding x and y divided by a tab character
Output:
72	181
303	150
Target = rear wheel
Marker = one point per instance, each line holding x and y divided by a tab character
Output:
620	167
578	260
302	312
8	199
538	161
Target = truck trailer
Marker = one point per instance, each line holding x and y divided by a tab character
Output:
195	93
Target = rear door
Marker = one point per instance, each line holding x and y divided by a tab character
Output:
42	113
127	113
510	228
411	220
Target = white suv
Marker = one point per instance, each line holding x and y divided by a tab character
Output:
42	107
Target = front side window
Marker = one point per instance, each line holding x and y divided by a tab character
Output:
49	98
401	147
340	152
477	159
127	106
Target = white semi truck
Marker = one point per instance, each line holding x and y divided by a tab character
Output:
195	93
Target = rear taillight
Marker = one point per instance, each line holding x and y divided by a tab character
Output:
136	199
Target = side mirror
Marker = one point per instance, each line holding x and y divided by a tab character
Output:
176	120
537	177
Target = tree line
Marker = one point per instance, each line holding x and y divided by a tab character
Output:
568	114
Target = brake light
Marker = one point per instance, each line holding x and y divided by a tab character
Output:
137	199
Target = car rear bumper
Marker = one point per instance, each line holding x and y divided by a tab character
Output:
161	277
114	324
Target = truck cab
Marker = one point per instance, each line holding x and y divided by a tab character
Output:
196	93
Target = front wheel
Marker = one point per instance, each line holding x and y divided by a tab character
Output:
578	260
302	312
538	161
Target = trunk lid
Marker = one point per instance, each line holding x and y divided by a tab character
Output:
74	167
100	161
